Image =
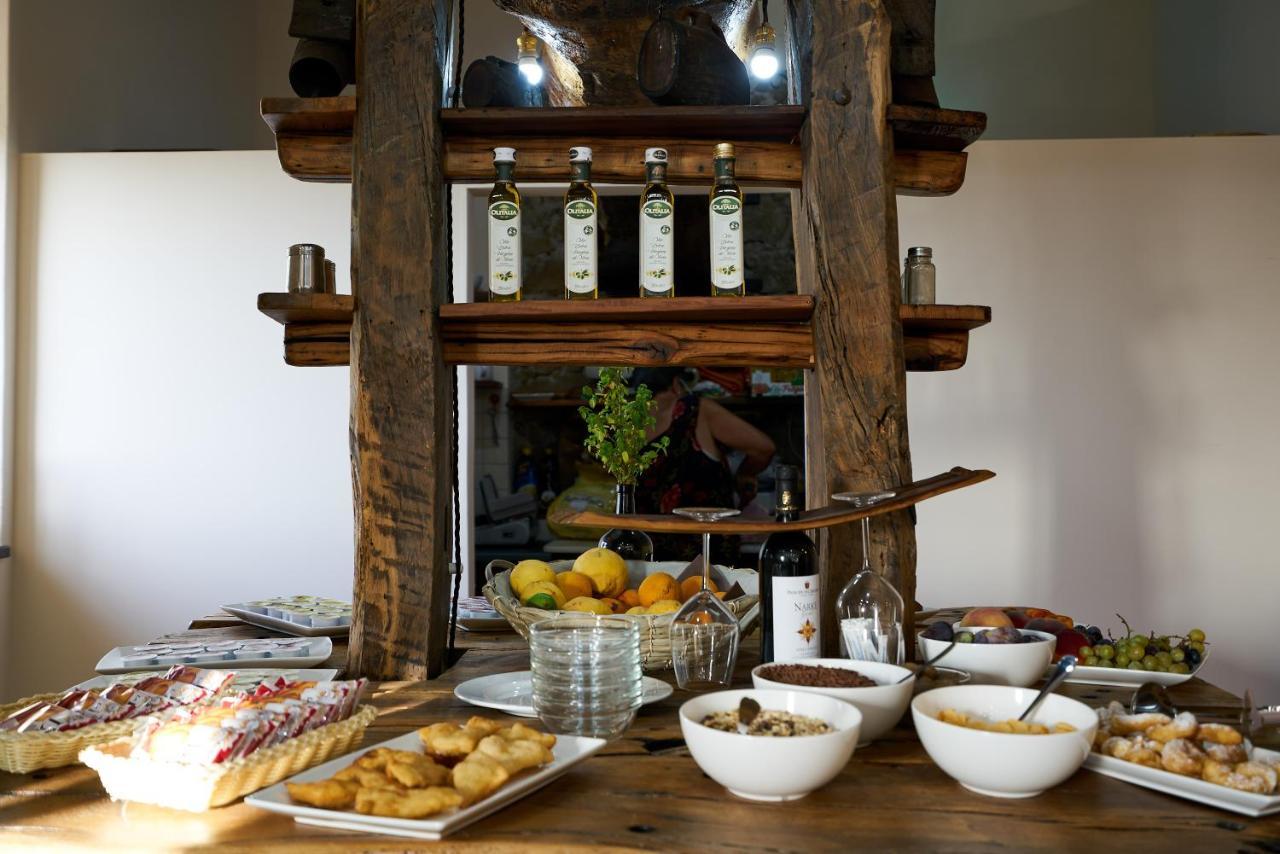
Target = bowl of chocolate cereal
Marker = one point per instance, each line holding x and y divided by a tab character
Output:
874	687
797	741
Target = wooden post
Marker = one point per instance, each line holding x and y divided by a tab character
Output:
400	391
846	256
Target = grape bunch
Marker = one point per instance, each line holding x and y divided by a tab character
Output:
1137	651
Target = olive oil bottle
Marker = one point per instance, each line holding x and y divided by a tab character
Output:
581	255
505	284
657	220
725	216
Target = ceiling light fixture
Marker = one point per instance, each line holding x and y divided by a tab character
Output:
527	57
764	56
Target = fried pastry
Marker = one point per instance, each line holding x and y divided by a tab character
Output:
1135	748
325	794
414	803
1183	725
483	726
522	732
478	776
364	778
1219	734
1244	776
415	770
1182	757
514	756
376	759
1129	724
1228	753
449	744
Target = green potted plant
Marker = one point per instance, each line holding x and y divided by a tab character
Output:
617	422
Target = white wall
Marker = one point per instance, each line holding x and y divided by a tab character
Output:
168	460
1125	392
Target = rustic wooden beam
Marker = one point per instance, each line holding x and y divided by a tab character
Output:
401	458
847	257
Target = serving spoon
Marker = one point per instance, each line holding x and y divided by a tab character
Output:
747	711
928	663
1066	664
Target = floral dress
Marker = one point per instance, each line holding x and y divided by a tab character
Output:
686	477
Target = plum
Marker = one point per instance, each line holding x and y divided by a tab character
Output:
939	631
1006	634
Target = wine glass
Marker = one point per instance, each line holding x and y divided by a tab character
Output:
704	632
869	608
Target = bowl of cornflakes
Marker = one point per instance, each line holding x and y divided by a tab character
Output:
972	732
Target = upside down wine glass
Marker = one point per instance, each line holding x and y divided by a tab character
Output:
704	632
869	609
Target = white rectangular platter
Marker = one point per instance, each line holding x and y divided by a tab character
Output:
288	627
569	751
314	651
1191	788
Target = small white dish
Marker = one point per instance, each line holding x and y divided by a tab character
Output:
1016	664
1191	788
513	692
882	706
312	651
765	768
1003	765
1124	678
569	751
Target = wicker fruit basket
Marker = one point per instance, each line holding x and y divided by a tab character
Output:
24	752
196	788
655	630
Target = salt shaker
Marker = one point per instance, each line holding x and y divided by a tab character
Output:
306	269
919	277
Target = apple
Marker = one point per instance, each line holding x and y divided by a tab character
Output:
1018	618
991	618
1069	643
1044	624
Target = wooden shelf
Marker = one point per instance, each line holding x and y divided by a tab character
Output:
313	140
732	402
765	330
824	517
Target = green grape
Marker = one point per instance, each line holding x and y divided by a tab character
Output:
1149	662
1195	635
1138	640
1122	659
1198	646
1165	658
1179	667
1161	667
1106	662
1178	654
1105	651
1134	665
1091	660
1084	652
1137	652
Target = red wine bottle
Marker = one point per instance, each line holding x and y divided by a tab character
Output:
790	605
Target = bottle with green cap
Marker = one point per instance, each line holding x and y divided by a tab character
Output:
725	215
505	283
657	238
580	226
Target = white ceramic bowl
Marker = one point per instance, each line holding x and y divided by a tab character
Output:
882	706
999	764
765	768
1017	664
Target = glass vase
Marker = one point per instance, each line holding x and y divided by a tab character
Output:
629	544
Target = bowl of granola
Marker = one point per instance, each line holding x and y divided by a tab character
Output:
798	742
876	688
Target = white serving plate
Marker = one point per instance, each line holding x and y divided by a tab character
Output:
287	627
1118	678
1191	788
482	621
513	692
243	680
317	650
569	751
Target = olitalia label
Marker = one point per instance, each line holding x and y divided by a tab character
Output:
504	248
580	246
795	618
657	247
726	243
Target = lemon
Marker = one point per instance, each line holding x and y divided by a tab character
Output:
588	605
664	606
638	609
528	571
606	569
544	595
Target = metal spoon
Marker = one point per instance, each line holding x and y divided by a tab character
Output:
1065	665
747	711
928	663
1152	697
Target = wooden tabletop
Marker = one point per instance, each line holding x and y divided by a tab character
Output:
645	792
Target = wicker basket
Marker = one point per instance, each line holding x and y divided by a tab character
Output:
23	752
197	788
655	630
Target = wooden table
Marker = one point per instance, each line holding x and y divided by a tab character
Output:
645	792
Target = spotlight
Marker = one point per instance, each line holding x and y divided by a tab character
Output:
764	58
527	57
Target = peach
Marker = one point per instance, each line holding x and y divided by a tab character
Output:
991	618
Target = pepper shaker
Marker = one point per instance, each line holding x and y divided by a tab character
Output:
306	269
919	277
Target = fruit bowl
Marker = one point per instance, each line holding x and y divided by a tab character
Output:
1003	765
655	629
882	706
764	768
1017	664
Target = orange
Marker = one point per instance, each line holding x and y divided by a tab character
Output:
657	587
630	597
614	605
692	585
574	584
